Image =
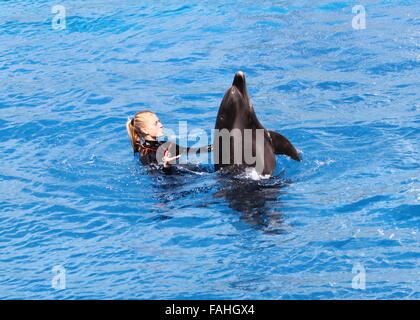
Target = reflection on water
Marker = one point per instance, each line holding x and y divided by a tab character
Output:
258	201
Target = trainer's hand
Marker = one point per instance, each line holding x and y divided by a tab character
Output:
167	157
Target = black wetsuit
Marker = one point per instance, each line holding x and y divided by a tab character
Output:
151	154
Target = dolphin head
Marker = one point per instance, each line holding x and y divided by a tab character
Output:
235	116
236	110
239	137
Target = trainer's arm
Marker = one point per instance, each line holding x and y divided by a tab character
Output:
176	150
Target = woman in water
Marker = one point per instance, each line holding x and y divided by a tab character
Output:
143	130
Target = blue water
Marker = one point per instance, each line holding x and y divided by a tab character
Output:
73	195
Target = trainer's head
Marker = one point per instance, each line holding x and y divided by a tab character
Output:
145	125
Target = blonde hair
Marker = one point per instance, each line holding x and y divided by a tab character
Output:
135	128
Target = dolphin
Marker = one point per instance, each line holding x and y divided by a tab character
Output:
240	140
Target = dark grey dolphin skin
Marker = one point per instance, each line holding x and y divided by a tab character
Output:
236	112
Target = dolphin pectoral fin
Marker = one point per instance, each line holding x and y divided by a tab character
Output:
282	145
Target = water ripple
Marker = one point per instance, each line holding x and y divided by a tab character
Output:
74	195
